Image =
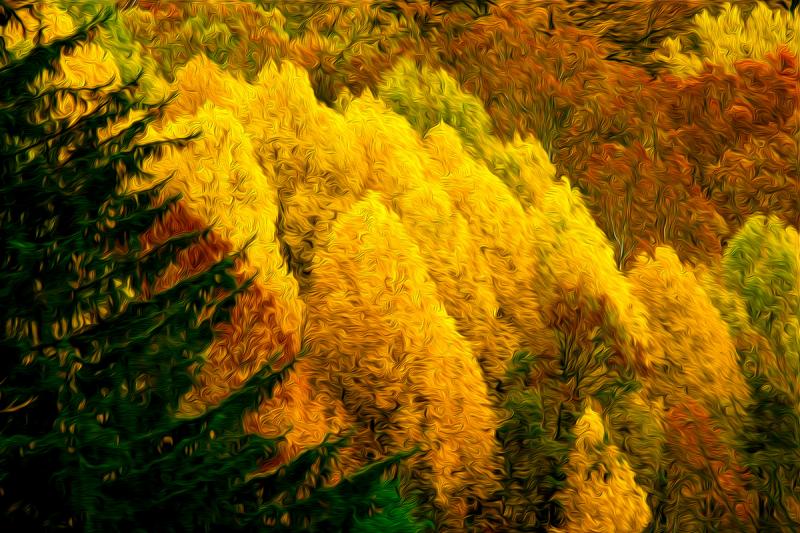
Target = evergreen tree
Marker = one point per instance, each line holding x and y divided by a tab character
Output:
535	455
94	361
545	397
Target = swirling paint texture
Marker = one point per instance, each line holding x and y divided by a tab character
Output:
407	235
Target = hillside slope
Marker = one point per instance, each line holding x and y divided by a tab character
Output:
404	255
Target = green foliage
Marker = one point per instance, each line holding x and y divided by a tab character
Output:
535	450
117	39
543	397
761	265
95	360
426	97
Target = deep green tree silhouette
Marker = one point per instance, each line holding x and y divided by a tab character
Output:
94	360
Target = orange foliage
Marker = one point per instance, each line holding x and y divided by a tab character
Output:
618	131
414	263
631	30
706	482
739	133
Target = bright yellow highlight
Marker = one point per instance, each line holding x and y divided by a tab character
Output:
702	361
730	37
412	257
601	494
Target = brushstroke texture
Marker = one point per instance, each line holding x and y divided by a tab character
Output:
550	246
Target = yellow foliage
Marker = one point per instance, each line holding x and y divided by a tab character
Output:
577	272
230	190
730	37
535	174
87	65
463	275
375	325
280	156
700	361
427	98
601	494
682	64
501	232
460	216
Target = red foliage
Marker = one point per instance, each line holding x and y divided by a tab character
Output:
697	447
687	160
739	131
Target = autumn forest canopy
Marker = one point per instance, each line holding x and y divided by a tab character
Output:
400	265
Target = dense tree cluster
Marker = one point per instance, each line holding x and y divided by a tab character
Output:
98	349
551	247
